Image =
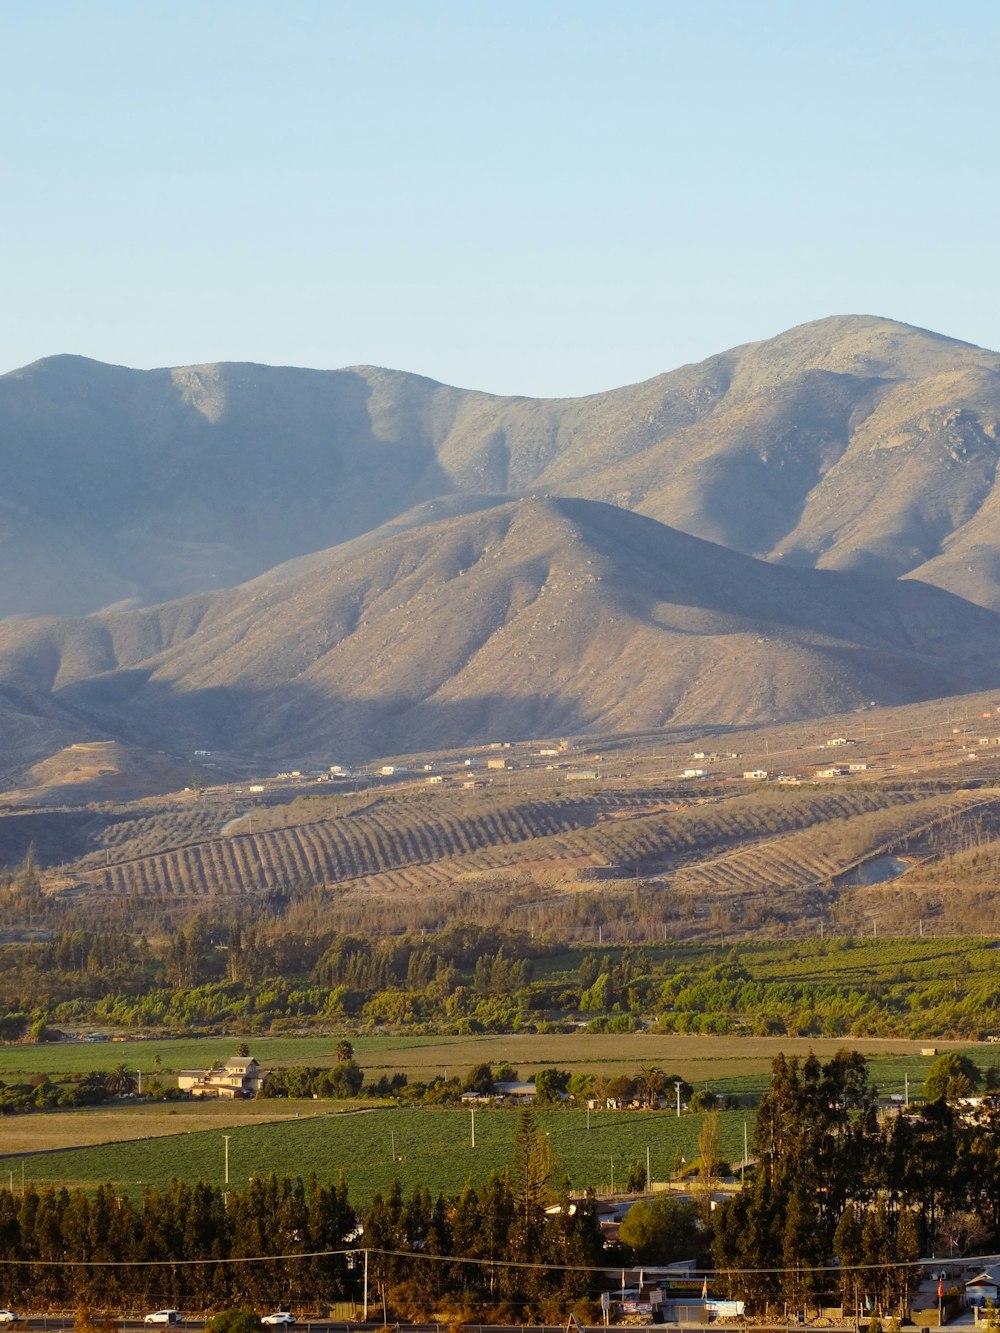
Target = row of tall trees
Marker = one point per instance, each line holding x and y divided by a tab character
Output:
196	1247
837	1184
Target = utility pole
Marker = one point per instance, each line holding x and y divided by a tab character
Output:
226	1138
649	1178
364	1309
677	1089
473	1115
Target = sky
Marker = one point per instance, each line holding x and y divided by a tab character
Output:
547	198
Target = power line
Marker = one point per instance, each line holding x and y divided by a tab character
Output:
977	1261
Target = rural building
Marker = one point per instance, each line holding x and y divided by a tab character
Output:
582	775
695	773
756	775
857	768
496	763
831	772
516	1091
981	1289
240	1077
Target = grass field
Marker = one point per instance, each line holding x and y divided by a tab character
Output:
700	1059
55	1130
432	1147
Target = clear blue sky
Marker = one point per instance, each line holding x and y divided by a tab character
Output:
544	198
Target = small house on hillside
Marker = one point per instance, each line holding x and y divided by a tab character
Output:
240	1077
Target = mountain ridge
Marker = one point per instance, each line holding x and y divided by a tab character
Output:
528	617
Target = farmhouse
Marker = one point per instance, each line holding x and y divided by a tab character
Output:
240	1077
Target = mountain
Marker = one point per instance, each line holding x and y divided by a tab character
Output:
851	443
523	618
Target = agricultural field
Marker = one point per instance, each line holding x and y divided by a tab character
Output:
724	1063
705	841
733	862
417	1146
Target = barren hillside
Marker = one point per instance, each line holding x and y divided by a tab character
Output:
531	617
851	443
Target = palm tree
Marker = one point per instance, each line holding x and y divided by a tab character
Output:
120	1081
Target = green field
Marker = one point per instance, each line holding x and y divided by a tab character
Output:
432	1147
727	1064
79	1057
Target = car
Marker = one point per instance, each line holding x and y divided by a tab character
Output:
279	1317
163	1317
7	1316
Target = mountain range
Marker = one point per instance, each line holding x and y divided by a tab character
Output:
359	562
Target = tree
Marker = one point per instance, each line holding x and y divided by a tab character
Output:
120	1081
635	1177
479	1079
708	1151
235	1321
951	1076
661	1230
650	1085
344	1051
242	1050
344	1080
532	1170
703	1100
551	1084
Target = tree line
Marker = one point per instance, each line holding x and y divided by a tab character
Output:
837	1181
257	974
183	1246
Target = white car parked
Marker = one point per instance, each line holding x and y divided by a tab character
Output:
7	1316
163	1317
279	1317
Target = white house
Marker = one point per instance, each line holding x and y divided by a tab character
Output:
240	1077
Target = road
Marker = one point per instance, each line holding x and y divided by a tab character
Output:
62	1323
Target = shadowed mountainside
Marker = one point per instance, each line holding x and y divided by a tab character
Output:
850	443
525	618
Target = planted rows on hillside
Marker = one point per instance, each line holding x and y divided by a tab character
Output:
334	850
828	850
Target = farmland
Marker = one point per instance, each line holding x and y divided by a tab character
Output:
432	1147
528	846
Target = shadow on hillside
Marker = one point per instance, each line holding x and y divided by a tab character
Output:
284	724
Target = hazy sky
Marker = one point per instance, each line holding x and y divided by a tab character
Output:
544	198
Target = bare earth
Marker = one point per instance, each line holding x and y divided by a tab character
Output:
78	1129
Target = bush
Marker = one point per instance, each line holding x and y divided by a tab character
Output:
235	1321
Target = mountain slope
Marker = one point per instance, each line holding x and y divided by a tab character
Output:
849	443
525	618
